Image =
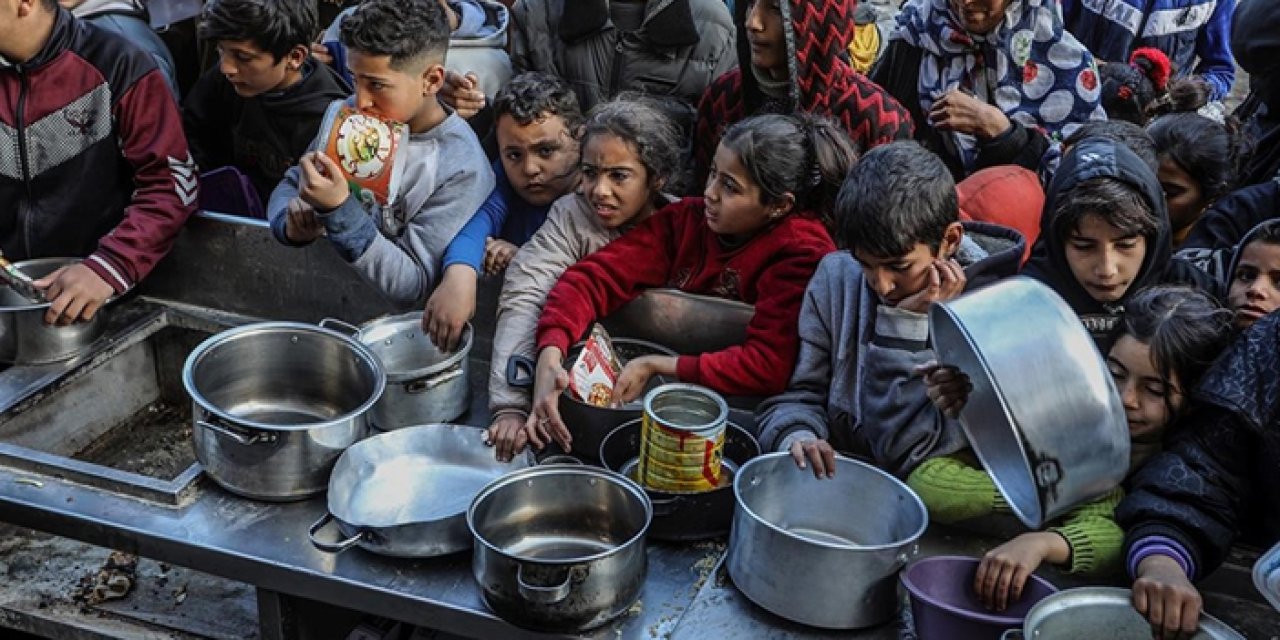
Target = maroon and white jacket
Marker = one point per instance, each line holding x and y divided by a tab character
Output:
93	160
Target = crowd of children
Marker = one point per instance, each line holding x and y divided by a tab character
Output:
734	150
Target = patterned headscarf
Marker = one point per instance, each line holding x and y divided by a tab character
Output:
1028	66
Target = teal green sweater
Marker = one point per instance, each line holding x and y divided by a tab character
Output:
955	488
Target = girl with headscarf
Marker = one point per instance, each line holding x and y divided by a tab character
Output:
989	82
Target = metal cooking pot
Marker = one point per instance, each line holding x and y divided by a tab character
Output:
687	323
560	547
823	552
1044	415
24	336
424	384
405	493
587	423
276	403
682	516
1100	612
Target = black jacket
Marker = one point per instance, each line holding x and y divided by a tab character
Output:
1222	477
1101	158
262	136
1217	237
898	70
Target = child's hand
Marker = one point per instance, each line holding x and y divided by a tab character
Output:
636	374
508	435
450	307
946	281
300	223
497	255
74	293
947	387
462	93
321	54
1163	594
819	454
323	185
963	113
545	424
1005	569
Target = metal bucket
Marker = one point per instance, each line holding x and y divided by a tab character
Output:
276	403
25	338
825	553
1044	415
424	384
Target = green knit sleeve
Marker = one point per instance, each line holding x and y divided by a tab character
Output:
954	488
1094	536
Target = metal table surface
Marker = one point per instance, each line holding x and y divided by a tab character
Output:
266	545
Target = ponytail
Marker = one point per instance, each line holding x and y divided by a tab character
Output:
804	155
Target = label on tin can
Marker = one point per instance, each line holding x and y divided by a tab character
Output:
682	438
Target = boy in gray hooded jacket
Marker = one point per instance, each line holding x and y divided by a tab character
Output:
863	324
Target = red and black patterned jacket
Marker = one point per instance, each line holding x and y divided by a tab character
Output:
93	161
818	33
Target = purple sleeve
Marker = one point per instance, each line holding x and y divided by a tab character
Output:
1160	545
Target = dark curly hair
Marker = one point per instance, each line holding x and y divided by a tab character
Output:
275	26
641	123
413	32
531	96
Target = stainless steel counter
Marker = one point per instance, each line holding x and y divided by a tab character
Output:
228	271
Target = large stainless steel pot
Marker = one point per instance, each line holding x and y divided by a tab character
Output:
424	384
1044	416
560	547
1100	612
587	423
682	516
685	322
405	493
276	403
24	336
824	552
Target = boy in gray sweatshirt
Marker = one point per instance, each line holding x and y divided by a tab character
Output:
397	53
863	324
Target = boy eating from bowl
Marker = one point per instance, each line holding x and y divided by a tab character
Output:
863	328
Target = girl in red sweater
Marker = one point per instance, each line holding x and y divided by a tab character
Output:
755	236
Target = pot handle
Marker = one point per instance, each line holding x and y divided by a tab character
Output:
426	384
1012	634
250	439
665	506
544	595
520	371
331	547
334	323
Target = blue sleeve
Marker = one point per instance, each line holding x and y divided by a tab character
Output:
468	246
349	228
1213	47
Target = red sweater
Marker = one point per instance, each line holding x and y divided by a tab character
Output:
675	248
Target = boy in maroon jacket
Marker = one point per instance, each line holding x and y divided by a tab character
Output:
93	162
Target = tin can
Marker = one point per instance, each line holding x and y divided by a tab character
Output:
682	438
